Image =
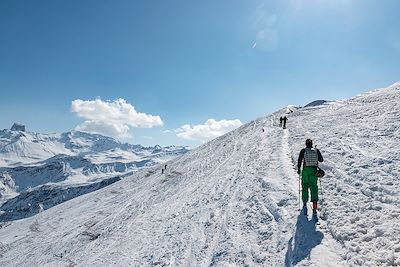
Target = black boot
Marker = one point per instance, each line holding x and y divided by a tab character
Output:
305	209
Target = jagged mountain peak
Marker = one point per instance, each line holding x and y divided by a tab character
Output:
28	147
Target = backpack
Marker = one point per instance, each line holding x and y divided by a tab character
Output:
310	157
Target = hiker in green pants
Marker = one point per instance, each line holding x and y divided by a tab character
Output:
309	157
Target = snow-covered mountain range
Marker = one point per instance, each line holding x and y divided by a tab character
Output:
234	201
21	148
67	164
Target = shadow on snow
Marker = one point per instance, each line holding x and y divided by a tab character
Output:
304	240
29	203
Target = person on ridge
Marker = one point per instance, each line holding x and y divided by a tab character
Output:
280	121
284	122
310	157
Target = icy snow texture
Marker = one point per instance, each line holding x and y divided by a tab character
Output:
360	140
234	201
48	169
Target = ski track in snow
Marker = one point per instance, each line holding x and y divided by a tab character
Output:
234	201
359	139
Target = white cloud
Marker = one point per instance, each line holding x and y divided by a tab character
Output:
120	131
207	131
112	118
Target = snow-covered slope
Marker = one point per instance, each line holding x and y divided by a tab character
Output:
39	163
360	140
234	201
17	148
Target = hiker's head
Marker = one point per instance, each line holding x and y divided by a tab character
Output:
309	143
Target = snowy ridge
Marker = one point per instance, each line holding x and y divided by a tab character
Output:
17	148
60	164
33	201
359	138
234	200
22	148
316	103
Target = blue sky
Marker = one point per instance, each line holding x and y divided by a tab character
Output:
187	61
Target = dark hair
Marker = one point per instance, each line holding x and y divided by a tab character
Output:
309	143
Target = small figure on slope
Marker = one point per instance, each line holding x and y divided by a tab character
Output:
310	157
284	122
280	121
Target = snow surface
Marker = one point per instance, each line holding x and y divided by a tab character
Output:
234	201
43	170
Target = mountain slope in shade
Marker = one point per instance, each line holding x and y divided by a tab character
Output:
316	103
234	201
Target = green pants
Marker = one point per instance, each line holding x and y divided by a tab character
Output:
309	182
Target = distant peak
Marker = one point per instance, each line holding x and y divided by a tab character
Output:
18	127
316	103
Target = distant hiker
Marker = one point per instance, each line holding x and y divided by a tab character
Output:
162	171
262	129
165	166
310	157
280	121
284	122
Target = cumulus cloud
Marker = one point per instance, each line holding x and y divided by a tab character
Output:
112	118
207	131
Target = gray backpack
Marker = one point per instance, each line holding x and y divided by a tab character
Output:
310	157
